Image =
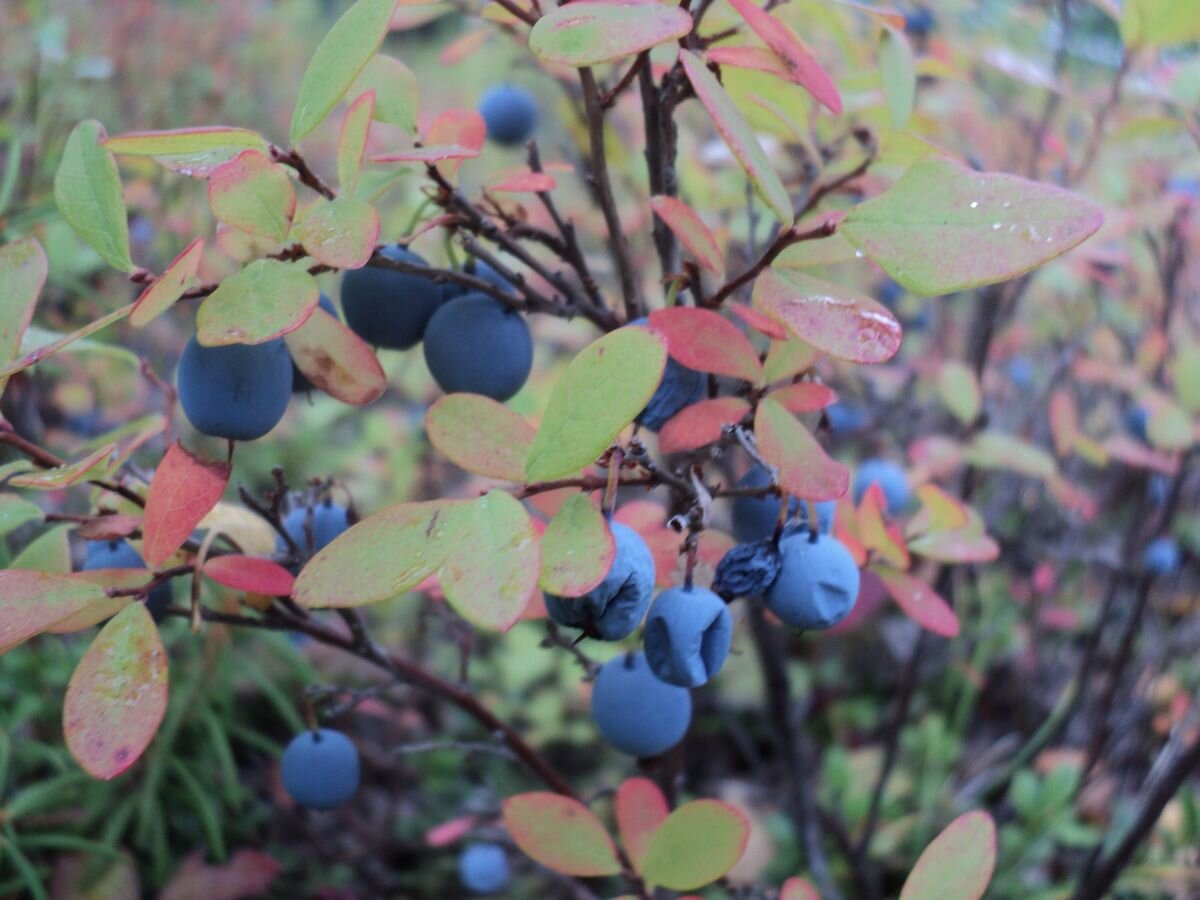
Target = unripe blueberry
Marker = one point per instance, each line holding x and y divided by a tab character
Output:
1161	556
300	382
328	521
477	345
238	391
510	113
687	635
747	570
679	387
320	769
891	479
817	584
616	606
121	554
636	712
388	308
483	868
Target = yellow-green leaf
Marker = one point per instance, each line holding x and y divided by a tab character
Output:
87	189
696	845
340	232
22	274
352	142
189	151
577	548
958	864
480	435
31	602
397	93
253	194
561	834
960	391
265	300
898	73
1160	23
590	33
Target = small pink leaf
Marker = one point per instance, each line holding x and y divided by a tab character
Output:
436	153
831	318
802	65
449	832
162	293
336	360
525	183
118	694
757	59
577	549
707	342
919	602
804	396
761	323
798	889
641	808
35	601
586	33
958	864
480	435
696	845
184	489
463	128
805	471
254	194
252	574
686	225
700	423
561	834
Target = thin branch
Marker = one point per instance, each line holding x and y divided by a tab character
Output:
46	460
307	176
783	240
660	160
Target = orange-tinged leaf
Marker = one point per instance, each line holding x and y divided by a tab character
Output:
184	489
336	360
1064	421
805	471
352	141
63	476
195	152
691	231
757	59
161	294
803	66
577	548
831	318
480	435
561	834
254	194
47	350
118	694
940	511
430	154
700	423
696	845
463	128
340	233
706	341
641	808
263	301
874	532
918	601
585	33
250	573
804	396
33	602
23	270
958	864
524	183
798	889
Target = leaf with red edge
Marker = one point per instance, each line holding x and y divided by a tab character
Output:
759	322
184	489
1064	421
561	834
577	549
641	808
23	269
250	573
686	225
918	601
265	300
798	889
463	128
397	92
757	59
248	873
958	864
480	435
700	423
738	135
964	543
352	141
118	694
428	154
340	233
162	293
697	844
706	341
1133	452
802	65
832	318
33	602
786	359
47	350
525	183
63	476
805	471
450	832
804	396
940	511
336	360
254	194
195	152
874	531
585	33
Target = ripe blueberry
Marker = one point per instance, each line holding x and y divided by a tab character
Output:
122	555
687	636
320	769
478	345
636	712
891	479
238	391
817	585
616	606
510	113
483	868
388	308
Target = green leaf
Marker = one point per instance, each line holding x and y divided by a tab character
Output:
352	142
591	33
491	571
641	809
381	557
31	602
805	471
960	391
943	227
338	59
696	845
997	450
897	71
602	390
577	548
253	194
340	233
22	273
118	694
189	151
397	93
480	435
38	344
265	300
15	512
1168	426
738	135
63	476
87	189
958	864
49	552
561	834
1185	371
1160	23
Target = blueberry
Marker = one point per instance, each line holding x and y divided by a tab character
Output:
510	113
300	382
747	570
817	584
890	478
636	712
1020	371
478	345
891	292
679	387
687	636
754	517
484	869
1161	556
121	554
1136	418
482	270
920	22
1158	489
616	606
388	308
238	391
328	521
320	769
845	418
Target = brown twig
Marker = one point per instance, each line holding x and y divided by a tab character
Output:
307	176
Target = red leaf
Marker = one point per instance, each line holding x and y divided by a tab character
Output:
249	873
525	183
707	342
449	832
641	808
336	360
461	127
805	471
700	424
804	68
429	154
798	889
759	322
184	489
758	59
918	601
561	834
250	573
36	601
804	397
691	231
874	531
